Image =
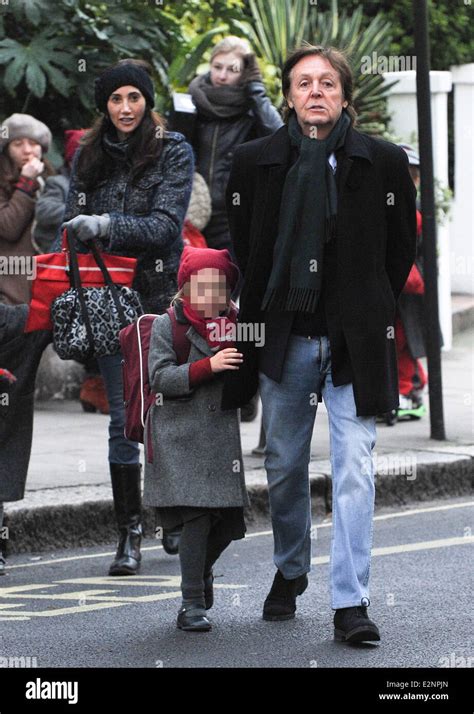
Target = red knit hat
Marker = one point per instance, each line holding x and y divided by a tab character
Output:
71	143
194	259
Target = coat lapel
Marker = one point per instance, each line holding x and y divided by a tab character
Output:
193	336
350	172
198	341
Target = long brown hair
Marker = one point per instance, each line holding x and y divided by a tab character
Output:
10	173
336	58
145	146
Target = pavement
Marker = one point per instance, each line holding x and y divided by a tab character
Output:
68	501
62	610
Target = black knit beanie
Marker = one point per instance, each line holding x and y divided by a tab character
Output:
121	76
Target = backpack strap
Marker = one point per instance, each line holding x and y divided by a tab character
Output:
181	344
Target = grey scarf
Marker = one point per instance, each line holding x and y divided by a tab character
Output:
218	102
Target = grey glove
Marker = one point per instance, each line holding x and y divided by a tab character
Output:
86	228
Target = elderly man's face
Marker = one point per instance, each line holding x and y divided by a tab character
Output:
316	95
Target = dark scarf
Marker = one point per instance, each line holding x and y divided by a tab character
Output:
218	102
117	150
307	220
205	326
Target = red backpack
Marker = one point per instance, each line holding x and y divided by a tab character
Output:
135	345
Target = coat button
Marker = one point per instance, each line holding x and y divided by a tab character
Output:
211	407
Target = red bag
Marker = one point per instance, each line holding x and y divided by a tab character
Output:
135	345
52	279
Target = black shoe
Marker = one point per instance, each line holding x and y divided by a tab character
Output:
2	565
281	600
192	618
352	624
170	540
209	590
127	504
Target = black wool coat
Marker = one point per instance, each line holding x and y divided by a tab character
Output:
365	266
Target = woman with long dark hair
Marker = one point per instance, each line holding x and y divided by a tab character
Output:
130	187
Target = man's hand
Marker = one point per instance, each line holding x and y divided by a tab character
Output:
33	168
251	70
226	359
86	228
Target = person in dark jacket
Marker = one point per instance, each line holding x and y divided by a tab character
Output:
324	228
51	204
409	326
23	169
130	188
232	107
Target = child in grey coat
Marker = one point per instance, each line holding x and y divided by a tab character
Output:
196	478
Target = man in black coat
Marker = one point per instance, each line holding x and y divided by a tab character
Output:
324	229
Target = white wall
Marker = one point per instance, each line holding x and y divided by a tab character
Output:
403	110
462	227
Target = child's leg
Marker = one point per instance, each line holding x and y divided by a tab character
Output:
216	544
192	556
419	378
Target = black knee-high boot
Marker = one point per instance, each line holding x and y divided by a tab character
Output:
127	503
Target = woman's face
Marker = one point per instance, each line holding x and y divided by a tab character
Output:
126	107
21	151
226	68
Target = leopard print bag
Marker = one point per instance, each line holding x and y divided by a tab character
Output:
87	321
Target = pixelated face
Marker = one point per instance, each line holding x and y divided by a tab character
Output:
208	292
226	68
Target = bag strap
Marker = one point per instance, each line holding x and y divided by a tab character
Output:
181	344
108	281
96	252
75	280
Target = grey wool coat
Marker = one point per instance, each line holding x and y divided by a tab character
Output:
197	454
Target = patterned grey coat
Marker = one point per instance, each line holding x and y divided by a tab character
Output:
197	455
146	217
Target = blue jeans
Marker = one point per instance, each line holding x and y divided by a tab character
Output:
289	411
121	450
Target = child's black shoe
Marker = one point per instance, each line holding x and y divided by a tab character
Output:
192	618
